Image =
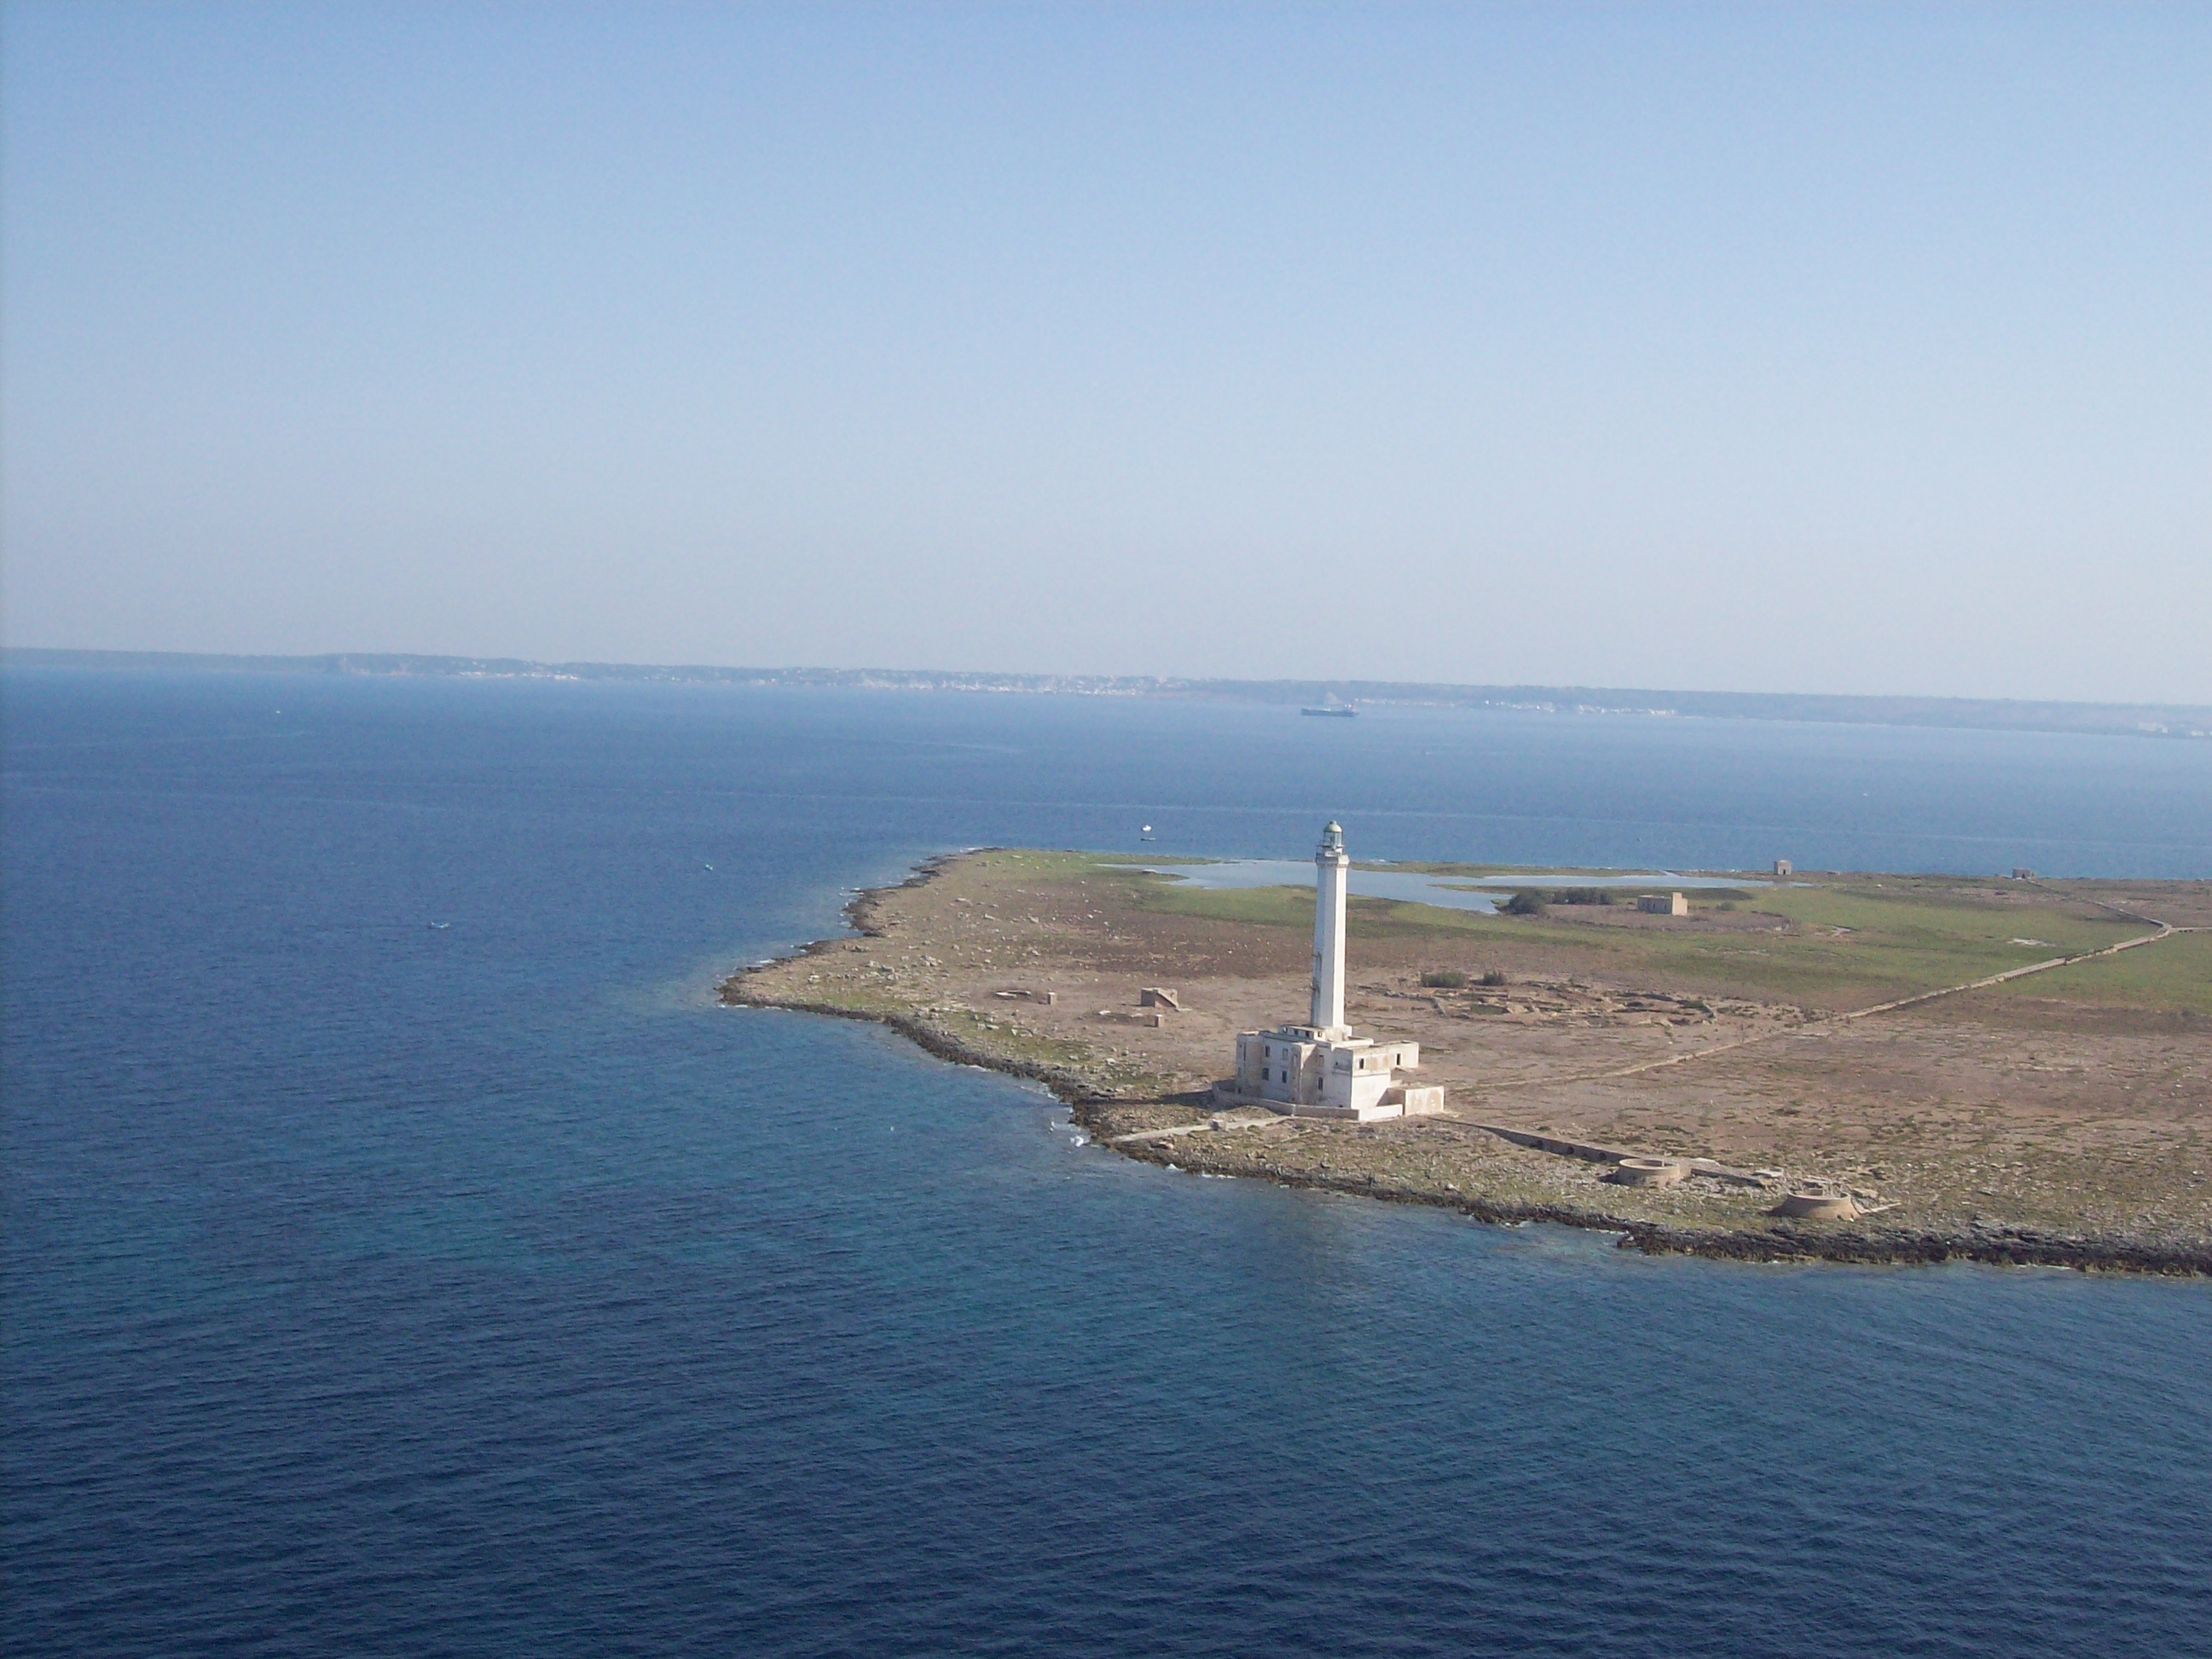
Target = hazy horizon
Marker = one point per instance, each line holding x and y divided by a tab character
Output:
1850	350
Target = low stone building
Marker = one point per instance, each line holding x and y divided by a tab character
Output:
1320	1069
1355	1077
1663	904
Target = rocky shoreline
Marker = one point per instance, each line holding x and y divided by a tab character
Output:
1781	1241
1785	1242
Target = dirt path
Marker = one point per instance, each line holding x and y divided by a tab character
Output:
1816	1027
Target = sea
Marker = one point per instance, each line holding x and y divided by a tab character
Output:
404	1255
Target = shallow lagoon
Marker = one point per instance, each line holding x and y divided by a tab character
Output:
1478	893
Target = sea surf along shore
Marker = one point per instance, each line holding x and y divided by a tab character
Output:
1935	1067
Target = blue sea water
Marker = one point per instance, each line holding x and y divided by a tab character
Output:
376	1287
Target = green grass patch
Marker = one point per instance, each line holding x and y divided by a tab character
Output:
1044	864
1263	907
2170	975
1848	945
1507	872
1851	941
1938	920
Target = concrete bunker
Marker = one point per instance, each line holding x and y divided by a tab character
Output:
1649	1171
1818	1206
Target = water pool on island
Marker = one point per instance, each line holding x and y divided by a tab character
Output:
1479	893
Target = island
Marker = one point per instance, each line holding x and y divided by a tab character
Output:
1775	1064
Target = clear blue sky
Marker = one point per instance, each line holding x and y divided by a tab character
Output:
1851	349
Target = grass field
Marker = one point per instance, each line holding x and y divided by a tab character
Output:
1832	943
2174	976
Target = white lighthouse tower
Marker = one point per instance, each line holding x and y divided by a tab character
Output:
1332	876
1319	1069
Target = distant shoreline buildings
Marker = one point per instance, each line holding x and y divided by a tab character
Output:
2165	722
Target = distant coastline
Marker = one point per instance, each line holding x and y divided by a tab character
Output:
2177	720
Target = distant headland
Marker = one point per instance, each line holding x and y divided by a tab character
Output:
1773	1064
1974	714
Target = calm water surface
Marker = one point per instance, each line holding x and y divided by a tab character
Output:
1412	886
378	1287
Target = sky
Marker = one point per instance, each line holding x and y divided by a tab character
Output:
1788	348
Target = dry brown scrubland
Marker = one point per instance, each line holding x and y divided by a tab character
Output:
2061	1117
